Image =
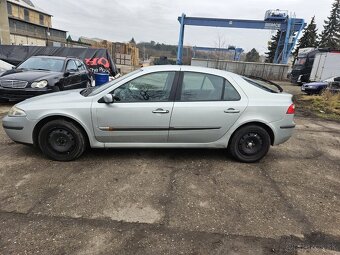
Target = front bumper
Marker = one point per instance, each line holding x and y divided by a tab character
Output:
16	95
19	129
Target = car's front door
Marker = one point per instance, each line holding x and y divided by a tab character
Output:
72	79
142	114
206	107
83	75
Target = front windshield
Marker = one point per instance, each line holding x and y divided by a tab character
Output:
92	91
301	61
48	64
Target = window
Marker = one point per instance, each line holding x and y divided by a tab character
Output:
26	15
230	93
80	65
154	87
201	87
71	66
41	19
9	9
42	63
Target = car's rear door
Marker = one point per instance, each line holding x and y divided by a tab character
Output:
83	74
143	113
206	107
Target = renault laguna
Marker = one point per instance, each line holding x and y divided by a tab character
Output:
158	107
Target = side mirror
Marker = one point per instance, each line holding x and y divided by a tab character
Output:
108	98
67	74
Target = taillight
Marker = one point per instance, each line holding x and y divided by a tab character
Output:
291	109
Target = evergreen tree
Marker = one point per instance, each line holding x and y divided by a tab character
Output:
330	36
253	56
272	47
309	38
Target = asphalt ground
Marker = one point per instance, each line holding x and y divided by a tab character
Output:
144	201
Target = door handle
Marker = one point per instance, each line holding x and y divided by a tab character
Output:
231	110
161	111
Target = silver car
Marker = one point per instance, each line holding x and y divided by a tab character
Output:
158	107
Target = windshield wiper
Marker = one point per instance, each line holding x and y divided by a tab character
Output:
268	81
41	69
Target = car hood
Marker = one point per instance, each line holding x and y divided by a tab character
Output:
29	75
54	99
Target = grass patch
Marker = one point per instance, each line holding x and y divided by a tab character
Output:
326	106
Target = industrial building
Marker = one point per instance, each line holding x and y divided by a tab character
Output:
23	23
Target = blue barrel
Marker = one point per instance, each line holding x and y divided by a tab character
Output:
101	78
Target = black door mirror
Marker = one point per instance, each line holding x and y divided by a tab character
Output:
67	74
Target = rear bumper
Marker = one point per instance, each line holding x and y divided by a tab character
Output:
283	129
16	95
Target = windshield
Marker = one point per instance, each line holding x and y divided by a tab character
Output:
48	64
92	91
301	61
263	84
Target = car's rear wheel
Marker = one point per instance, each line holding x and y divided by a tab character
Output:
250	144
61	140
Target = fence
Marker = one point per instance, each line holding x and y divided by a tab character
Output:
268	71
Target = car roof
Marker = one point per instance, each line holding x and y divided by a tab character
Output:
188	69
56	57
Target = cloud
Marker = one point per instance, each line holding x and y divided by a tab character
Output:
157	19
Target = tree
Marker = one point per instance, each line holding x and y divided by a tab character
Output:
132	41
252	56
309	38
272	47
330	36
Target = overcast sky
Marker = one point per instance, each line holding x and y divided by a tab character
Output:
156	20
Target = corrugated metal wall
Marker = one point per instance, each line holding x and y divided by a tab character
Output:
264	70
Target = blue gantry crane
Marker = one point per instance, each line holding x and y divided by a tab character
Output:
274	20
237	51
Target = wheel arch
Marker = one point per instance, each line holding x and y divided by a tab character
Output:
256	123
47	119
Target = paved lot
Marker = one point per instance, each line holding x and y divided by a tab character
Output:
174	201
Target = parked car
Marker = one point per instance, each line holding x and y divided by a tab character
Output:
158	107
317	88
43	74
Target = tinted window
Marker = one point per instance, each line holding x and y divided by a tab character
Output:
9	9
80	65
71	66
154	87
230	93
201	87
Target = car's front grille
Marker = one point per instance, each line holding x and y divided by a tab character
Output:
14	84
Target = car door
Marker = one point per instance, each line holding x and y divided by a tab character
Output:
142	114
72	80
206	107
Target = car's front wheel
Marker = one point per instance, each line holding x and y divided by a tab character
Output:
250	144
61	140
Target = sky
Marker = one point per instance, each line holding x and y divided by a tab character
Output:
156	20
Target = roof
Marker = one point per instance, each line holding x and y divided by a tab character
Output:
29	5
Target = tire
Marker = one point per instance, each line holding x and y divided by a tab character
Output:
249	144
61	140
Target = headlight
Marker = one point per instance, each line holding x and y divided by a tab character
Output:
16	112
39	84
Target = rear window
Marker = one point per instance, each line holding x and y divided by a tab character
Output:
261	84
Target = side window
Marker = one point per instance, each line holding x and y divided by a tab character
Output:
230	93
71	66
201	87
80	65
154	87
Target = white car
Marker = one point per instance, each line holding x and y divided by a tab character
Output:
158	107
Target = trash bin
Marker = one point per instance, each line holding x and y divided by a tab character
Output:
101	78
